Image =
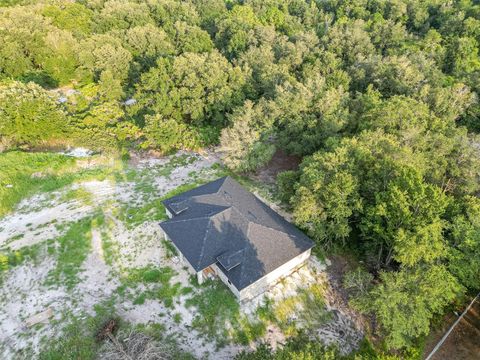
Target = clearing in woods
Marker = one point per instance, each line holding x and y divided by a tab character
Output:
80	243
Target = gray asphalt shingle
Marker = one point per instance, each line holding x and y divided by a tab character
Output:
223	223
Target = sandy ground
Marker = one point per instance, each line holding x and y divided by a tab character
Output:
24	292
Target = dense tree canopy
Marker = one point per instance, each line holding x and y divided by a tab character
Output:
379	99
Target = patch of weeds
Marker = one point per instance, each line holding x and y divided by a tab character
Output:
11	258
167	293
249	331
306	310
29	173
186	290
110	248
81	194
149	274
152	210
71	251
176	162
140	299
170	250
177	318
79	336
158	282
314	312
219	316
215	305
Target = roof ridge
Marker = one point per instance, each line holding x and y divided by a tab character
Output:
170	221
202	250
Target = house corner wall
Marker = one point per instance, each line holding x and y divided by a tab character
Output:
225	280
263	284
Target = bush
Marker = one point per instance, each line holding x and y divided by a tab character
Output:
286	181
29	116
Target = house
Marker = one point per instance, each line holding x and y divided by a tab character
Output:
221	228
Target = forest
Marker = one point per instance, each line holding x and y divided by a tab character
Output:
379	100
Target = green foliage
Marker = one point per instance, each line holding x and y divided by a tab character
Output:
29	116
191	88
372	94
464	254
71	250
406	301
17	182
29	173
286	181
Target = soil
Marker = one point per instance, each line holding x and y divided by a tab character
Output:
463	343
280	162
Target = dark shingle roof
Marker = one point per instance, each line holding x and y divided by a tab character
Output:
221	222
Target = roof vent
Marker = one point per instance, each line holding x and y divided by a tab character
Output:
179	207
231	259
227	195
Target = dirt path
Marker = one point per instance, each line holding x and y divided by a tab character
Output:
463	343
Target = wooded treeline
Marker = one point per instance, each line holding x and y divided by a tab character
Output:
379	98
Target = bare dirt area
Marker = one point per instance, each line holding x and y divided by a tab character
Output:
280	162
463	343
117	250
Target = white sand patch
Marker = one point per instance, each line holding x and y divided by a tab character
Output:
137	247
78	152
24	294
31	228
96	281
106	190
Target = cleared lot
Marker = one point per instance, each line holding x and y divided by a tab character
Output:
91	249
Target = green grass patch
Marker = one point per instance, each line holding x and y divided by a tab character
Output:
152	210
170	250
71	250
24	174
158	284
219	316
12	258
81	194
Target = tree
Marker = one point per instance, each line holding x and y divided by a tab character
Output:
122	15
191	39
308	114
349	40
29	116
406	301
246	143
166	134
192	88
327	196
101	53
405	221
464	234
235	30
